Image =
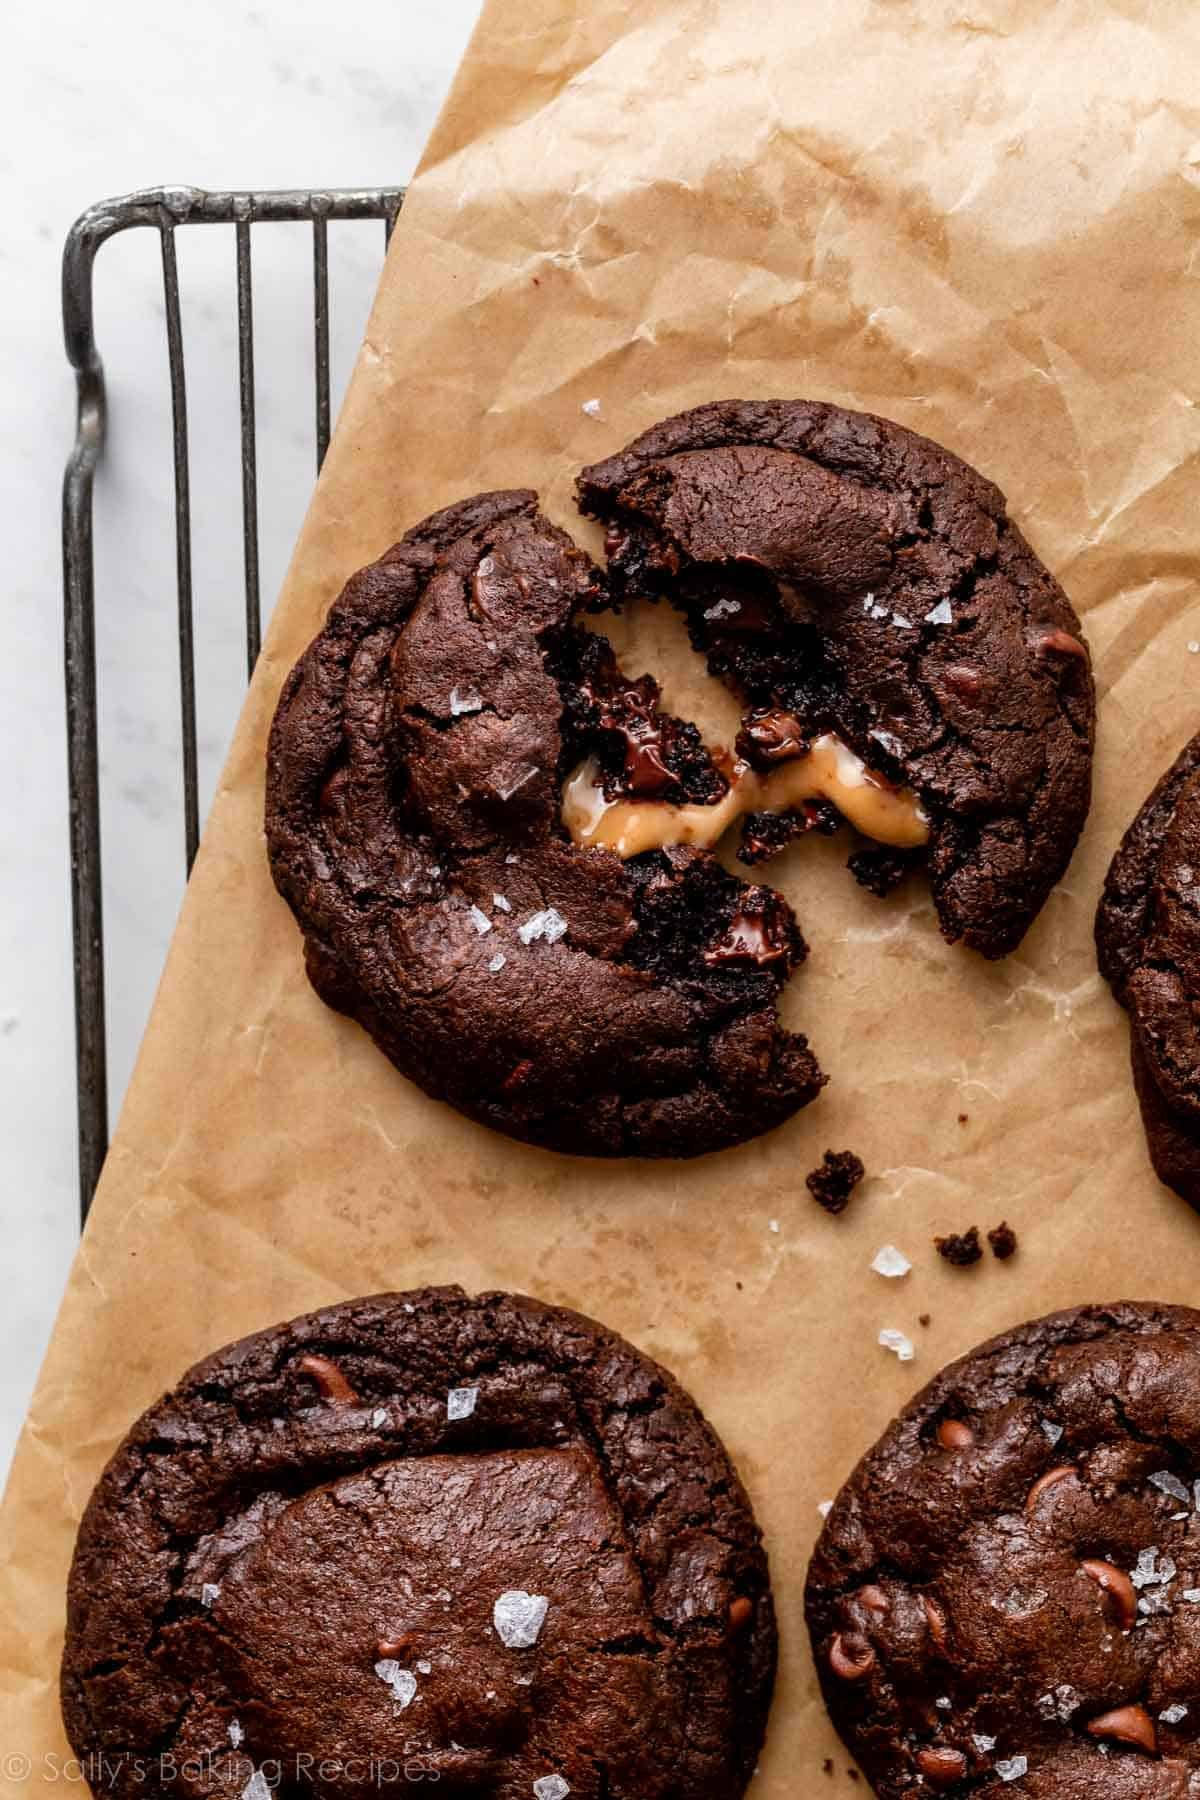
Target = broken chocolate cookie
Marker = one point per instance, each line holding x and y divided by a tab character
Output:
1007	1589
869	587
568	997
477	1543
1148	940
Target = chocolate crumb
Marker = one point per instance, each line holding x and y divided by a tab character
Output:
881	869
962	1248
827	1765
962	1118
1003	1240
833	1183
925	1319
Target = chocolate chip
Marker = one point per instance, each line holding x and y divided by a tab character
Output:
960	1248
770	736
935	1618
759	932
850	1656
963	679
1127	1725
941	1766
1057	642
1003	1240
741	1611
1044	1483
873	1598
1120	1601
330	1381
954	1434
833	1183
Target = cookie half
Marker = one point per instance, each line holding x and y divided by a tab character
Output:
1007	1590
863	582
415	767
480	1542
1148	942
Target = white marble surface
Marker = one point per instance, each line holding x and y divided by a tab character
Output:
98	100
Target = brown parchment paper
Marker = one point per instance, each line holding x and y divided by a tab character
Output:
979	218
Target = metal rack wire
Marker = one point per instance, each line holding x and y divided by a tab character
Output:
163	210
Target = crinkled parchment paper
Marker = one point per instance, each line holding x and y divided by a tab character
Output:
978	218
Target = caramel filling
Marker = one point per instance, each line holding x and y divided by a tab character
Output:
828	770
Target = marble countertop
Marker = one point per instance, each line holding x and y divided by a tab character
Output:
100	100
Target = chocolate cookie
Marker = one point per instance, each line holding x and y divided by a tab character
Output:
413	823
1007	1589
478	1542
865	585
1148	940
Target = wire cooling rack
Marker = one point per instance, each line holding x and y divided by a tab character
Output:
164	210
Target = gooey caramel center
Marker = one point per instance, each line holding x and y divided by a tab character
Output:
827	770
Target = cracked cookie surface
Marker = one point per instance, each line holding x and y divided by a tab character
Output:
1148	941
412	821
478	1541
867	582
1007	1590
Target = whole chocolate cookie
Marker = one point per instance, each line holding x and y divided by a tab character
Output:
478	1542
1148	940
413	824
1007	1589
863	582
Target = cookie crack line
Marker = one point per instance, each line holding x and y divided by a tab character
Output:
630	1007
579	1478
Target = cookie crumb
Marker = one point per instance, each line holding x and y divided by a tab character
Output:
880	870
962	1248
1003	1240
833	1183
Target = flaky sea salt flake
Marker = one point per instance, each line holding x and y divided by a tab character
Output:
1051	1431
897	1343
1150	1571
208	1593
257	1788
402	1682
549	925
424	1668
1193	647
722	609
236	1734
1191	1595
465	700
518	1618
941	614
497	963
591	408
502	903
479	920
460	1402
1012	1768
1171	1715
824	1507
1166	1483
378	1418
890	1262
551	1787
903	624
983	1743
